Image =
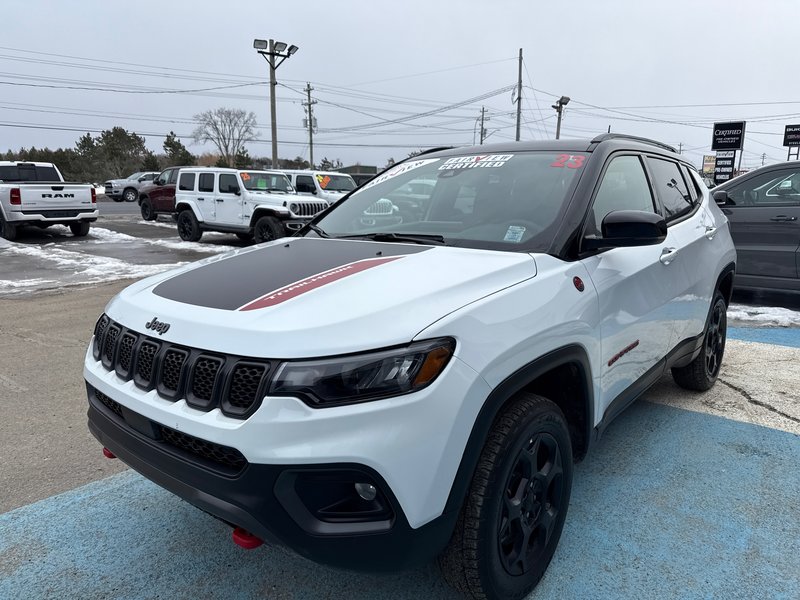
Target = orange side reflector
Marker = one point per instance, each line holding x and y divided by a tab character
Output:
433	365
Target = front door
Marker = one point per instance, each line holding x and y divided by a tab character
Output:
228	200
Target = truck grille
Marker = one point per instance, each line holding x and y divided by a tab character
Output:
209	451
234	384
307	209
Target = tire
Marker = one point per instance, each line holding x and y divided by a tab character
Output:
528	450
116	198
130	195
701	374
267	228
79	229
148	214
8	231
188	227
245	237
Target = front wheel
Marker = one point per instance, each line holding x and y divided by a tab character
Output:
188	227
79	229
148	214
130	195
267	228
701	374
512	517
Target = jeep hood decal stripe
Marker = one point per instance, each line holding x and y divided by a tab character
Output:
312	283
239	281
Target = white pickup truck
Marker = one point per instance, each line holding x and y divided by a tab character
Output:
34	193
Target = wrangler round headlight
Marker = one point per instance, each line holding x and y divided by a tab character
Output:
361	377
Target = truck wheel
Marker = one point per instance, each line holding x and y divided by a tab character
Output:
188	227
79	229
267	228
701	374
130	195
516	505
245	237
8	231
148	214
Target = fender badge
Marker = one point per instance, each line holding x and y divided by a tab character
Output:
158	326
578	283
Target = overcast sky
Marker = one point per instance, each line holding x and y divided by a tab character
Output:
665	70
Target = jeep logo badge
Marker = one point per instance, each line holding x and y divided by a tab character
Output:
158	326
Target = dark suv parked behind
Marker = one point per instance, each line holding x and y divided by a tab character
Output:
159	195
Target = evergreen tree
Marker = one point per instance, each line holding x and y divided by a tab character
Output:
177	154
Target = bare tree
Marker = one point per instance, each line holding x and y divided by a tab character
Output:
229	129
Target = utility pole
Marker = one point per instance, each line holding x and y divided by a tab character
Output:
519	93
763	158
559	106
311	122
270	49
680	147
483	129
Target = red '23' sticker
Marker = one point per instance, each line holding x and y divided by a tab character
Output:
571	161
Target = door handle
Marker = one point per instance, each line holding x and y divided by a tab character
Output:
201	199
783	218
710	232
219	200
667	255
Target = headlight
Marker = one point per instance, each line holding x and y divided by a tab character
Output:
360	377
293	207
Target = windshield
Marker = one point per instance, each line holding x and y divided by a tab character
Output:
261	181
336	183
499	201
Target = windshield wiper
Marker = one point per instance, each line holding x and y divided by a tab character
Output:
384	236
318	230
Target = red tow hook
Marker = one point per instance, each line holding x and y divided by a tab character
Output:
245	539
108	453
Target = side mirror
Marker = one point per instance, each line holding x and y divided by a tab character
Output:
721	198
628	228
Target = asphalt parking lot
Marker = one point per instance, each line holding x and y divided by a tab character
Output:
687	495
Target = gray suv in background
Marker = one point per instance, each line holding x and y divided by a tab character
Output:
763	207
128	189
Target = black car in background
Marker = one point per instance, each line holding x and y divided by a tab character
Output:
763	207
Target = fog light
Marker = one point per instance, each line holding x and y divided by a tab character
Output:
367	491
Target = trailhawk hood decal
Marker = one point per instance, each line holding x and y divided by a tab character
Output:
278	273
305	297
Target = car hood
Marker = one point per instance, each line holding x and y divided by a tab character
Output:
120	181
304	297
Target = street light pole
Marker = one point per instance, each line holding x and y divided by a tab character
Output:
559	106
270	49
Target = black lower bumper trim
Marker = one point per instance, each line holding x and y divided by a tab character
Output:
249	500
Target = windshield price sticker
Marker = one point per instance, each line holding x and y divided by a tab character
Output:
245	176
571	161
491	161
398	170
514	234
323	180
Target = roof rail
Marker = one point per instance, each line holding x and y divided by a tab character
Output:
623	136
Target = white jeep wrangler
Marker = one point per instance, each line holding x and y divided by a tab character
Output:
260	205
377	393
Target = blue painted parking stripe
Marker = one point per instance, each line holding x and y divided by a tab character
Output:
669	504
780	336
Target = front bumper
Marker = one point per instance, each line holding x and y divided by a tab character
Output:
271	501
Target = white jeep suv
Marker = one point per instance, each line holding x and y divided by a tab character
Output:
374	393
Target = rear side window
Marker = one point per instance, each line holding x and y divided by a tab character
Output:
691	183
186	182
206	182
671	187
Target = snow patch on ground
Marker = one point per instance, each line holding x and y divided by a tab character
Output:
108	235
25	283
763	316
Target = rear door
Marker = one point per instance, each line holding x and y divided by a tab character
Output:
206	192
765	223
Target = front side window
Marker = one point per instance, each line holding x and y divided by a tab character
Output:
305	184
778	188
173	176
228	184
624	187
496	201
205	183
671	188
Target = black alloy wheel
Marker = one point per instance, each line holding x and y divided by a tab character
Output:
266	229
148	214
714	344
188	227
701	374
531	503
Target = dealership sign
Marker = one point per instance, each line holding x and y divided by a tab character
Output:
791	135
728	136
709	162
723	169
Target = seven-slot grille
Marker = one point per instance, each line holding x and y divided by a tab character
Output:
233	384
307	209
